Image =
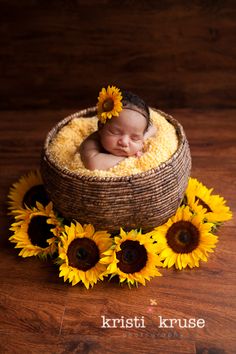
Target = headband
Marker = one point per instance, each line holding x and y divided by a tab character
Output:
136	109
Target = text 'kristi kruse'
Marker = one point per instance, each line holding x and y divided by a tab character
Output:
139	322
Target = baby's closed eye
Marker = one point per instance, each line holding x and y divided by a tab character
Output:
114	132
136	137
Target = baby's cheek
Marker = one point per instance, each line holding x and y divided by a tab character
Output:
111	141
139	144
137	147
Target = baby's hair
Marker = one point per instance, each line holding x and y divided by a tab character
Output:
132	101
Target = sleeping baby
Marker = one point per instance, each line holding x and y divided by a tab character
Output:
124	124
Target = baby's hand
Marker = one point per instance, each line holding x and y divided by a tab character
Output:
151	132
138	154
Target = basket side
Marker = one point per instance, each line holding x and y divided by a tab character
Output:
144	200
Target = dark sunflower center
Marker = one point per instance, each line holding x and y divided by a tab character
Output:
132	257
83	253
39	231
35	193
183	237
203	204
108	105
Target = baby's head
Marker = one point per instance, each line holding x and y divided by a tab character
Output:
124	135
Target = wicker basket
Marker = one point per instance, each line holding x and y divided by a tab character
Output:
142	200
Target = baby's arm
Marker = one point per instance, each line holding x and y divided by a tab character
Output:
93	159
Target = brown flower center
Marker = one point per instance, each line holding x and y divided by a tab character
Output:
132	257
203	204
83	254
39	231
183	237
35	193
108	105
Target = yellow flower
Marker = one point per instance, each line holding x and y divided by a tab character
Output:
81	250
36	231
200	197
184	239
26	192
109	103
133	258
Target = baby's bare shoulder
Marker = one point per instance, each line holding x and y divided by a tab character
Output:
90	145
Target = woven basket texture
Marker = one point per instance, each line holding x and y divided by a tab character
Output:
144	200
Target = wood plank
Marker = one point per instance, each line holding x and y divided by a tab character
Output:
140	344
32	303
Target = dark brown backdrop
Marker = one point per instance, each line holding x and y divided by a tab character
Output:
58	54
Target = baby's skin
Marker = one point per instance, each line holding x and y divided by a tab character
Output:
120	137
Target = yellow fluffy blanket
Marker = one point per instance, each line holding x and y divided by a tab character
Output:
65	146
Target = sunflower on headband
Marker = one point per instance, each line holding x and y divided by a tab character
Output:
26	191
184	239
109	103
36	231
133	258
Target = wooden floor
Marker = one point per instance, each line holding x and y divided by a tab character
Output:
41	314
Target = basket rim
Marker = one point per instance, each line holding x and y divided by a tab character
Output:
92	110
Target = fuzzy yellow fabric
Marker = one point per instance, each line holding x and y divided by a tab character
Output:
64	149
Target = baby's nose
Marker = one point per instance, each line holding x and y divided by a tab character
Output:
124	141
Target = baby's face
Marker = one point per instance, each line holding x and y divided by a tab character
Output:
124	135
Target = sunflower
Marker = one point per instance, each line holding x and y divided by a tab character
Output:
36	231
109	103
133	258
199	197
184	239
26	192
81	250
